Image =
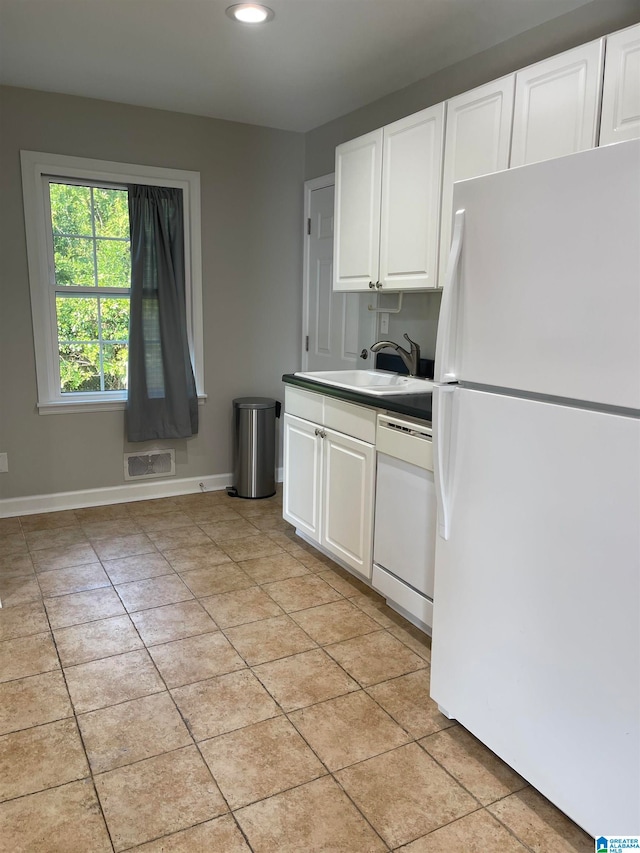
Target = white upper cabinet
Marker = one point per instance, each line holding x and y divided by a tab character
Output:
394	187
410	216
477	142
387	208
357	212
621	92
557	105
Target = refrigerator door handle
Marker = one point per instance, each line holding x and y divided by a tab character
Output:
445	367
442	461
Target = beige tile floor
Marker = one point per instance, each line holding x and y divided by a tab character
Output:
187	675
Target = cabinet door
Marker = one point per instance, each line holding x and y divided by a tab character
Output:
621	92
411	184
357	212
302	473
556	105
347	503
477	142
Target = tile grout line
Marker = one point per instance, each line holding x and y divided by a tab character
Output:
166	752
250	668
286	716
79	731
195	744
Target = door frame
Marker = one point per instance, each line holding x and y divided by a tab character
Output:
309	186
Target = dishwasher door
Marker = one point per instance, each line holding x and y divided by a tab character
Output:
405	523
405	518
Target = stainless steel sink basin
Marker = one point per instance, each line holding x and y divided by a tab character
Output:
376	382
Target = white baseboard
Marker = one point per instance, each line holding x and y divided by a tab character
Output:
147	490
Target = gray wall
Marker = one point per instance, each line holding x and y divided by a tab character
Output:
584	24
251	183
252	253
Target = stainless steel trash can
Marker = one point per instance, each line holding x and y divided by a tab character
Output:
254	447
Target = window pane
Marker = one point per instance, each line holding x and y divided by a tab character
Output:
70	209
114	359
115	319
77	318
73	261
79	367
111	209
114	263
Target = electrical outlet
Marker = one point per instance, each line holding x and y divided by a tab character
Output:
384	323
4	462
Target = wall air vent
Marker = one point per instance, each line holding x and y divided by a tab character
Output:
156	463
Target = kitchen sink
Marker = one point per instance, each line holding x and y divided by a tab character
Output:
377	382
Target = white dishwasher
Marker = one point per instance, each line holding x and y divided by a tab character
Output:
405	518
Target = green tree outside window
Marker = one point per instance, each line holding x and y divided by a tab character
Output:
92	264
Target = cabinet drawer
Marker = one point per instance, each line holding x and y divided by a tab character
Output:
304	404
348	418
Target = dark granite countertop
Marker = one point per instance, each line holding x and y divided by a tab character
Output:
414	405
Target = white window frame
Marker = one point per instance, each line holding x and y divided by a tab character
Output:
36	167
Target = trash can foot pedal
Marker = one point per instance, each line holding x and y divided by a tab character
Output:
232	491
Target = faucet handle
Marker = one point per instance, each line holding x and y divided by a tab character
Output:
413	343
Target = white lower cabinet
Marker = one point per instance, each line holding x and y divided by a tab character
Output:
302	476
347	490
329	471
329	490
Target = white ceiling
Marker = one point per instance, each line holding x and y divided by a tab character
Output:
317	60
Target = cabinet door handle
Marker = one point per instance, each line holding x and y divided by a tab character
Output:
320	432
371	285
378	285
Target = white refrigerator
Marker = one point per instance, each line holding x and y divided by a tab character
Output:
536	632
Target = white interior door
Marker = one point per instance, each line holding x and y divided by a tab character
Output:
330	333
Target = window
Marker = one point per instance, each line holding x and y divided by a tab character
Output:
77	224
91	264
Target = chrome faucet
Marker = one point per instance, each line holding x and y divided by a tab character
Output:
411	359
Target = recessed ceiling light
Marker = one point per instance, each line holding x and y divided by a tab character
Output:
250	13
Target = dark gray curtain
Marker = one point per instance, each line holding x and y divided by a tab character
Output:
162	400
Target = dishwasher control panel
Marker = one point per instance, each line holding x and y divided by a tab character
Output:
411	442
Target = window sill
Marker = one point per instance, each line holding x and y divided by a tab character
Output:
95	404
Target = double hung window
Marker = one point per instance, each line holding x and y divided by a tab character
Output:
77	228
90	261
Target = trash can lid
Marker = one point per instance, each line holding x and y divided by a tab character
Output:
254	403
